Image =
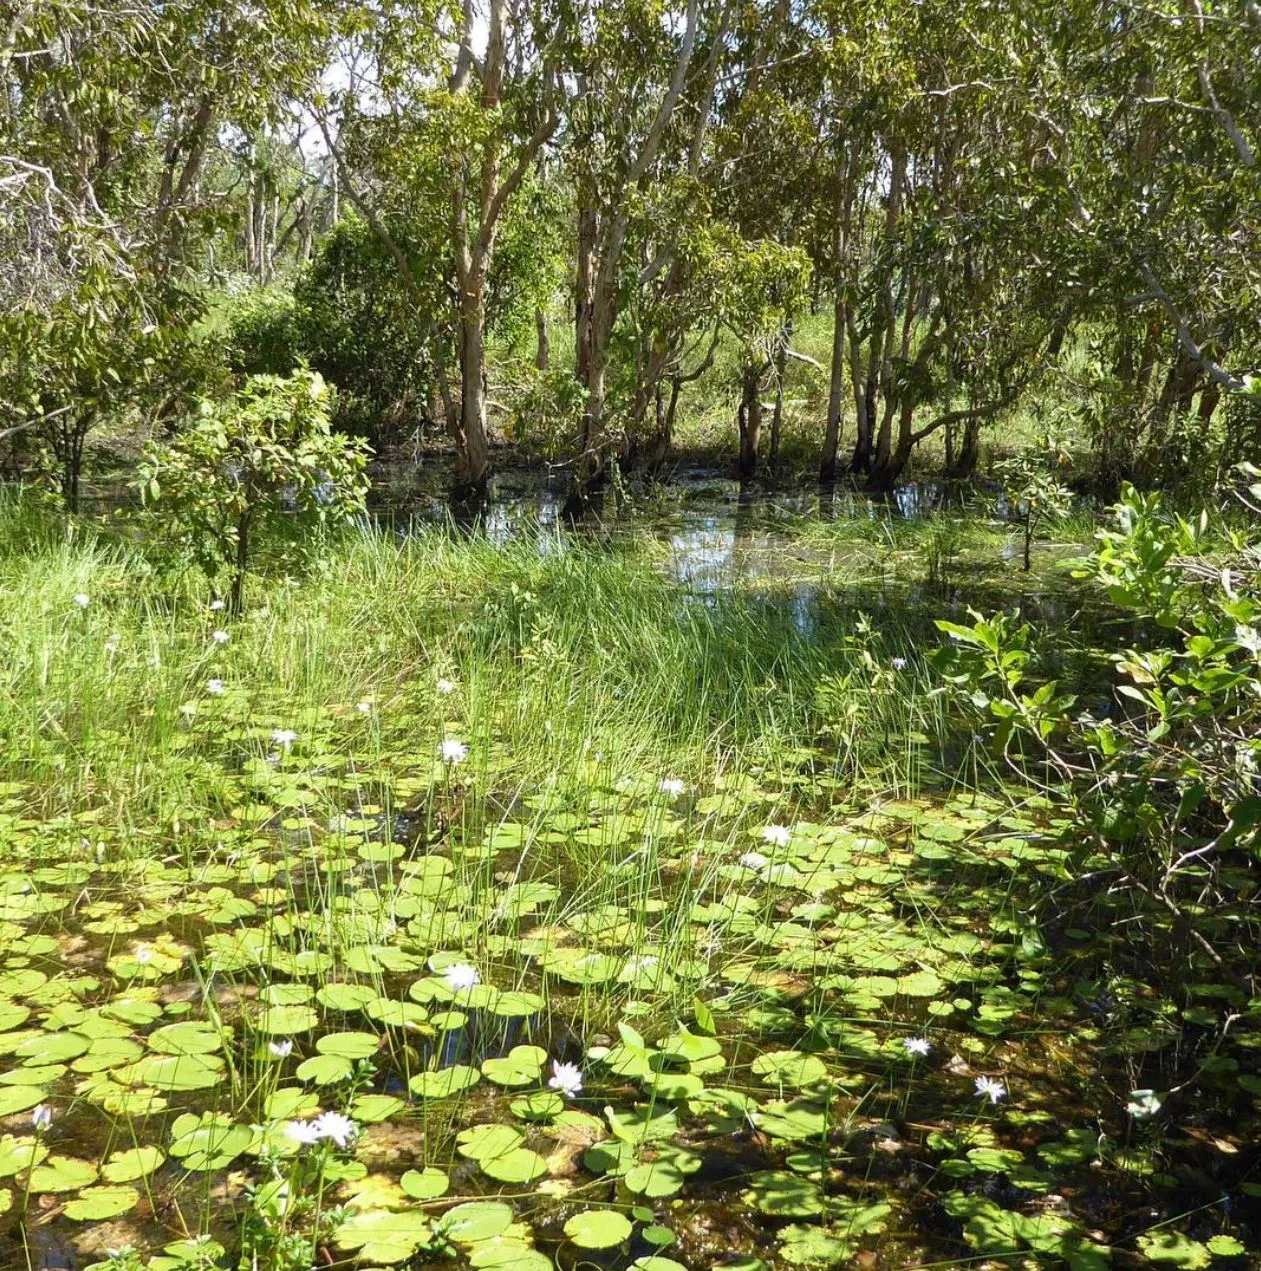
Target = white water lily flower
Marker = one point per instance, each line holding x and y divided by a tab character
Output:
42	1117
898	664
673	787
452	751
364	708
82	599
916	1045
215	688
220	637
567	1078
144	955
445	686
284	737
337	1128
991	1088
303	1132
780	835
216	605
754	860
461	977
280	1050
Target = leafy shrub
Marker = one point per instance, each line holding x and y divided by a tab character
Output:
266	450
358	326
1166	784
262	335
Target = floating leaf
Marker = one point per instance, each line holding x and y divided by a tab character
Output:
96	1204
286	1021
598	1229
207	1142
382	1235
783	1195
445	1082
475	1221
62	1174
138	1162
1175	1249
426	1184
790	1068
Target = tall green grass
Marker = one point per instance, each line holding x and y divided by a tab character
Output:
562	649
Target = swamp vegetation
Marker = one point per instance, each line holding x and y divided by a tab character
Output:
630	635
545	902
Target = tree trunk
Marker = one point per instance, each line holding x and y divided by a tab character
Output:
543	351
749	420
237	593
777	412
584	282
473	458
836	394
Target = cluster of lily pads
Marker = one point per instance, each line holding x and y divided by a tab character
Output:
376	987
759	1000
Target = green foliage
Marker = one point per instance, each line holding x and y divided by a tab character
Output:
262	333
357	324
1032	488
1164	780
267	450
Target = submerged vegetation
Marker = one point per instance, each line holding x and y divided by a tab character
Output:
517	906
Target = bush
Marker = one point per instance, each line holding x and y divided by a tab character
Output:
1165	784
262	333
265	450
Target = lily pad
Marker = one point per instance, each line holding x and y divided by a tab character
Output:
383	1235
97	1204
783	1194
598	1229
207	1142
443	1083
476	1221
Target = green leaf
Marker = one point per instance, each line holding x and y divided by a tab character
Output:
598	1229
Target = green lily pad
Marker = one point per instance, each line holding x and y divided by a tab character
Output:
207	1142
383	1235
287	1021
445	1082
664	1176
370	1109
517	1003
521	1066
18	1154
1172	1248
503	1253
345	997
783	1194
97	1204
52	1048
598	1229
19	1098
137	1162
474	1222
62	1174
485	1142
789	1068
175	1072
425	1184
185	1038
542	1106
324	1070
